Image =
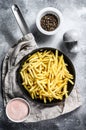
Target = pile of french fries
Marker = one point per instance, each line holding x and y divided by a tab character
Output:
45	76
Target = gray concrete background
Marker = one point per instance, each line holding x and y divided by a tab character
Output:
74	17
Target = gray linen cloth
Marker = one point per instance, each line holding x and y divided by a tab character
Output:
11	88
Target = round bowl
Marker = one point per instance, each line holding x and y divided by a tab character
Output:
70	67
17	110
52	11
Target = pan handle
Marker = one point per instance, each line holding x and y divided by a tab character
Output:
20	20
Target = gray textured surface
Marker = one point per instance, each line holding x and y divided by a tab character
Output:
74	15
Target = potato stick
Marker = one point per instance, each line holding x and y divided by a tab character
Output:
53	70
65	91
25	67
29	82
31	72
56	57
49	65
71	81
45	100
22	75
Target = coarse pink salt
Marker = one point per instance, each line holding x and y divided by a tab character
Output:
17	109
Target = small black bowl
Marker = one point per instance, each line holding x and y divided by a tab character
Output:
70	67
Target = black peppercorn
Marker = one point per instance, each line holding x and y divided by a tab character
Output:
49	22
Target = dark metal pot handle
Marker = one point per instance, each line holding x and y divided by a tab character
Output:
20	20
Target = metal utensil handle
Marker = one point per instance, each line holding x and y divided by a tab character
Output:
20	20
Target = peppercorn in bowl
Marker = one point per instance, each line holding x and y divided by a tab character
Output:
49	20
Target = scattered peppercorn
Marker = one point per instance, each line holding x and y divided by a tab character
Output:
49	22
